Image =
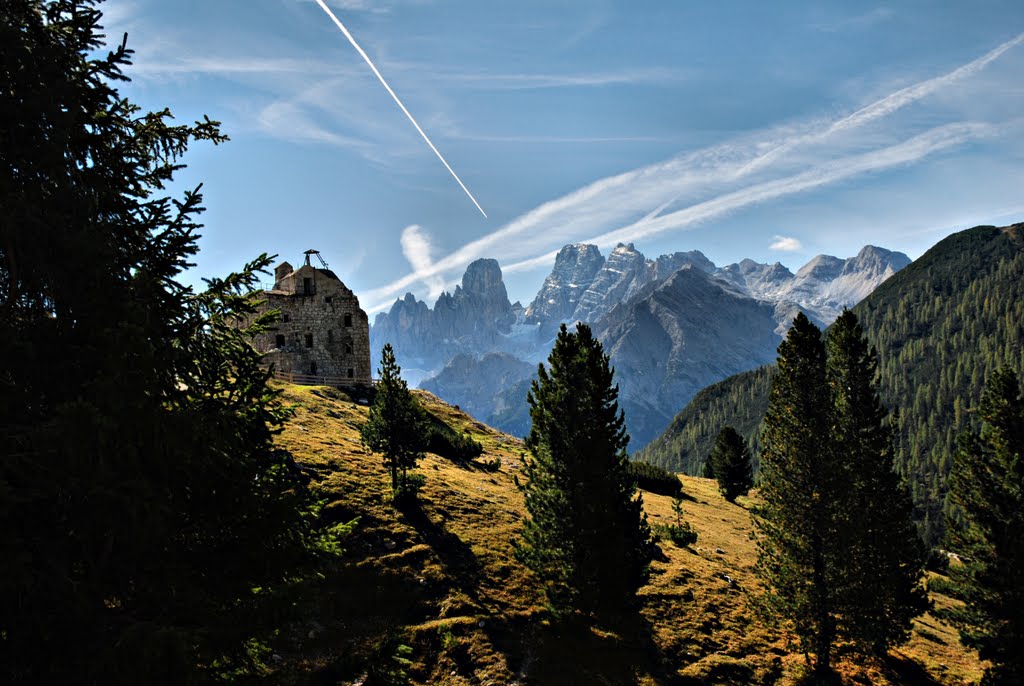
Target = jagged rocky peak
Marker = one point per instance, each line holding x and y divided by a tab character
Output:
576	265
760	281
821	267
666	265
827	284
483	277
873	259
622	275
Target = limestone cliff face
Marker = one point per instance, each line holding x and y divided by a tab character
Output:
621	275
573	273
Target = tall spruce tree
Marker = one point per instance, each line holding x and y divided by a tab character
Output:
882	556
796	529
730	464
837	544
141	497
395	426
987	483
587	536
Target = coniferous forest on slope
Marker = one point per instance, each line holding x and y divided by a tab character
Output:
942	326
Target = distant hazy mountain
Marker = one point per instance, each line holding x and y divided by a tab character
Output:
672	325
677	336
492	388
941	327
474	319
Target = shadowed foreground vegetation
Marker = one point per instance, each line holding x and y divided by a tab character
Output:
440	578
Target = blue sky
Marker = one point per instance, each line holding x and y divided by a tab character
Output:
775	131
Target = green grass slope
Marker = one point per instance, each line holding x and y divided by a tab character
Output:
941	326
442	580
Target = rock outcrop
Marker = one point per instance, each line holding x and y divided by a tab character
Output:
574	271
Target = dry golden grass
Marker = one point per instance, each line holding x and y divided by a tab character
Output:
442	577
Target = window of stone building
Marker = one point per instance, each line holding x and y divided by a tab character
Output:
330	336
285	317
348	348
280	340
309	340
351	372
329	299
312	368
307	285
348	319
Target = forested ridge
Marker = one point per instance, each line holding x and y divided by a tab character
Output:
942	326
739	401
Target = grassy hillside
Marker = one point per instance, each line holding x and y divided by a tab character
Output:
941	326
442	580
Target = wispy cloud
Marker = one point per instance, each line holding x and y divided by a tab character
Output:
289	121
417	248
908	152
153	66
715	181
526	81
886	106
786	244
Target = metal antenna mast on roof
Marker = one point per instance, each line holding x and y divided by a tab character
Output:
318	256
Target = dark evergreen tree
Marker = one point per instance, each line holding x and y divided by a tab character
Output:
796	529
882	556
987	483
587	537
395	426
141	497
838	547
730	464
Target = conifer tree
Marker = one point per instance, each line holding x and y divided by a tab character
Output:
882	557
796	529
987	482
394	426
730	464
141	496
837	544
587	537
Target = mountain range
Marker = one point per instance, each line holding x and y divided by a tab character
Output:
671	325
941	327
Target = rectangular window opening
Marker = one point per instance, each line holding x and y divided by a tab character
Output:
351	372
348	319
309	340
280	340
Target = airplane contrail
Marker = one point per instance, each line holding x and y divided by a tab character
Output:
384	83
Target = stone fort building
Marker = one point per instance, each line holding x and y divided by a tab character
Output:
322	331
